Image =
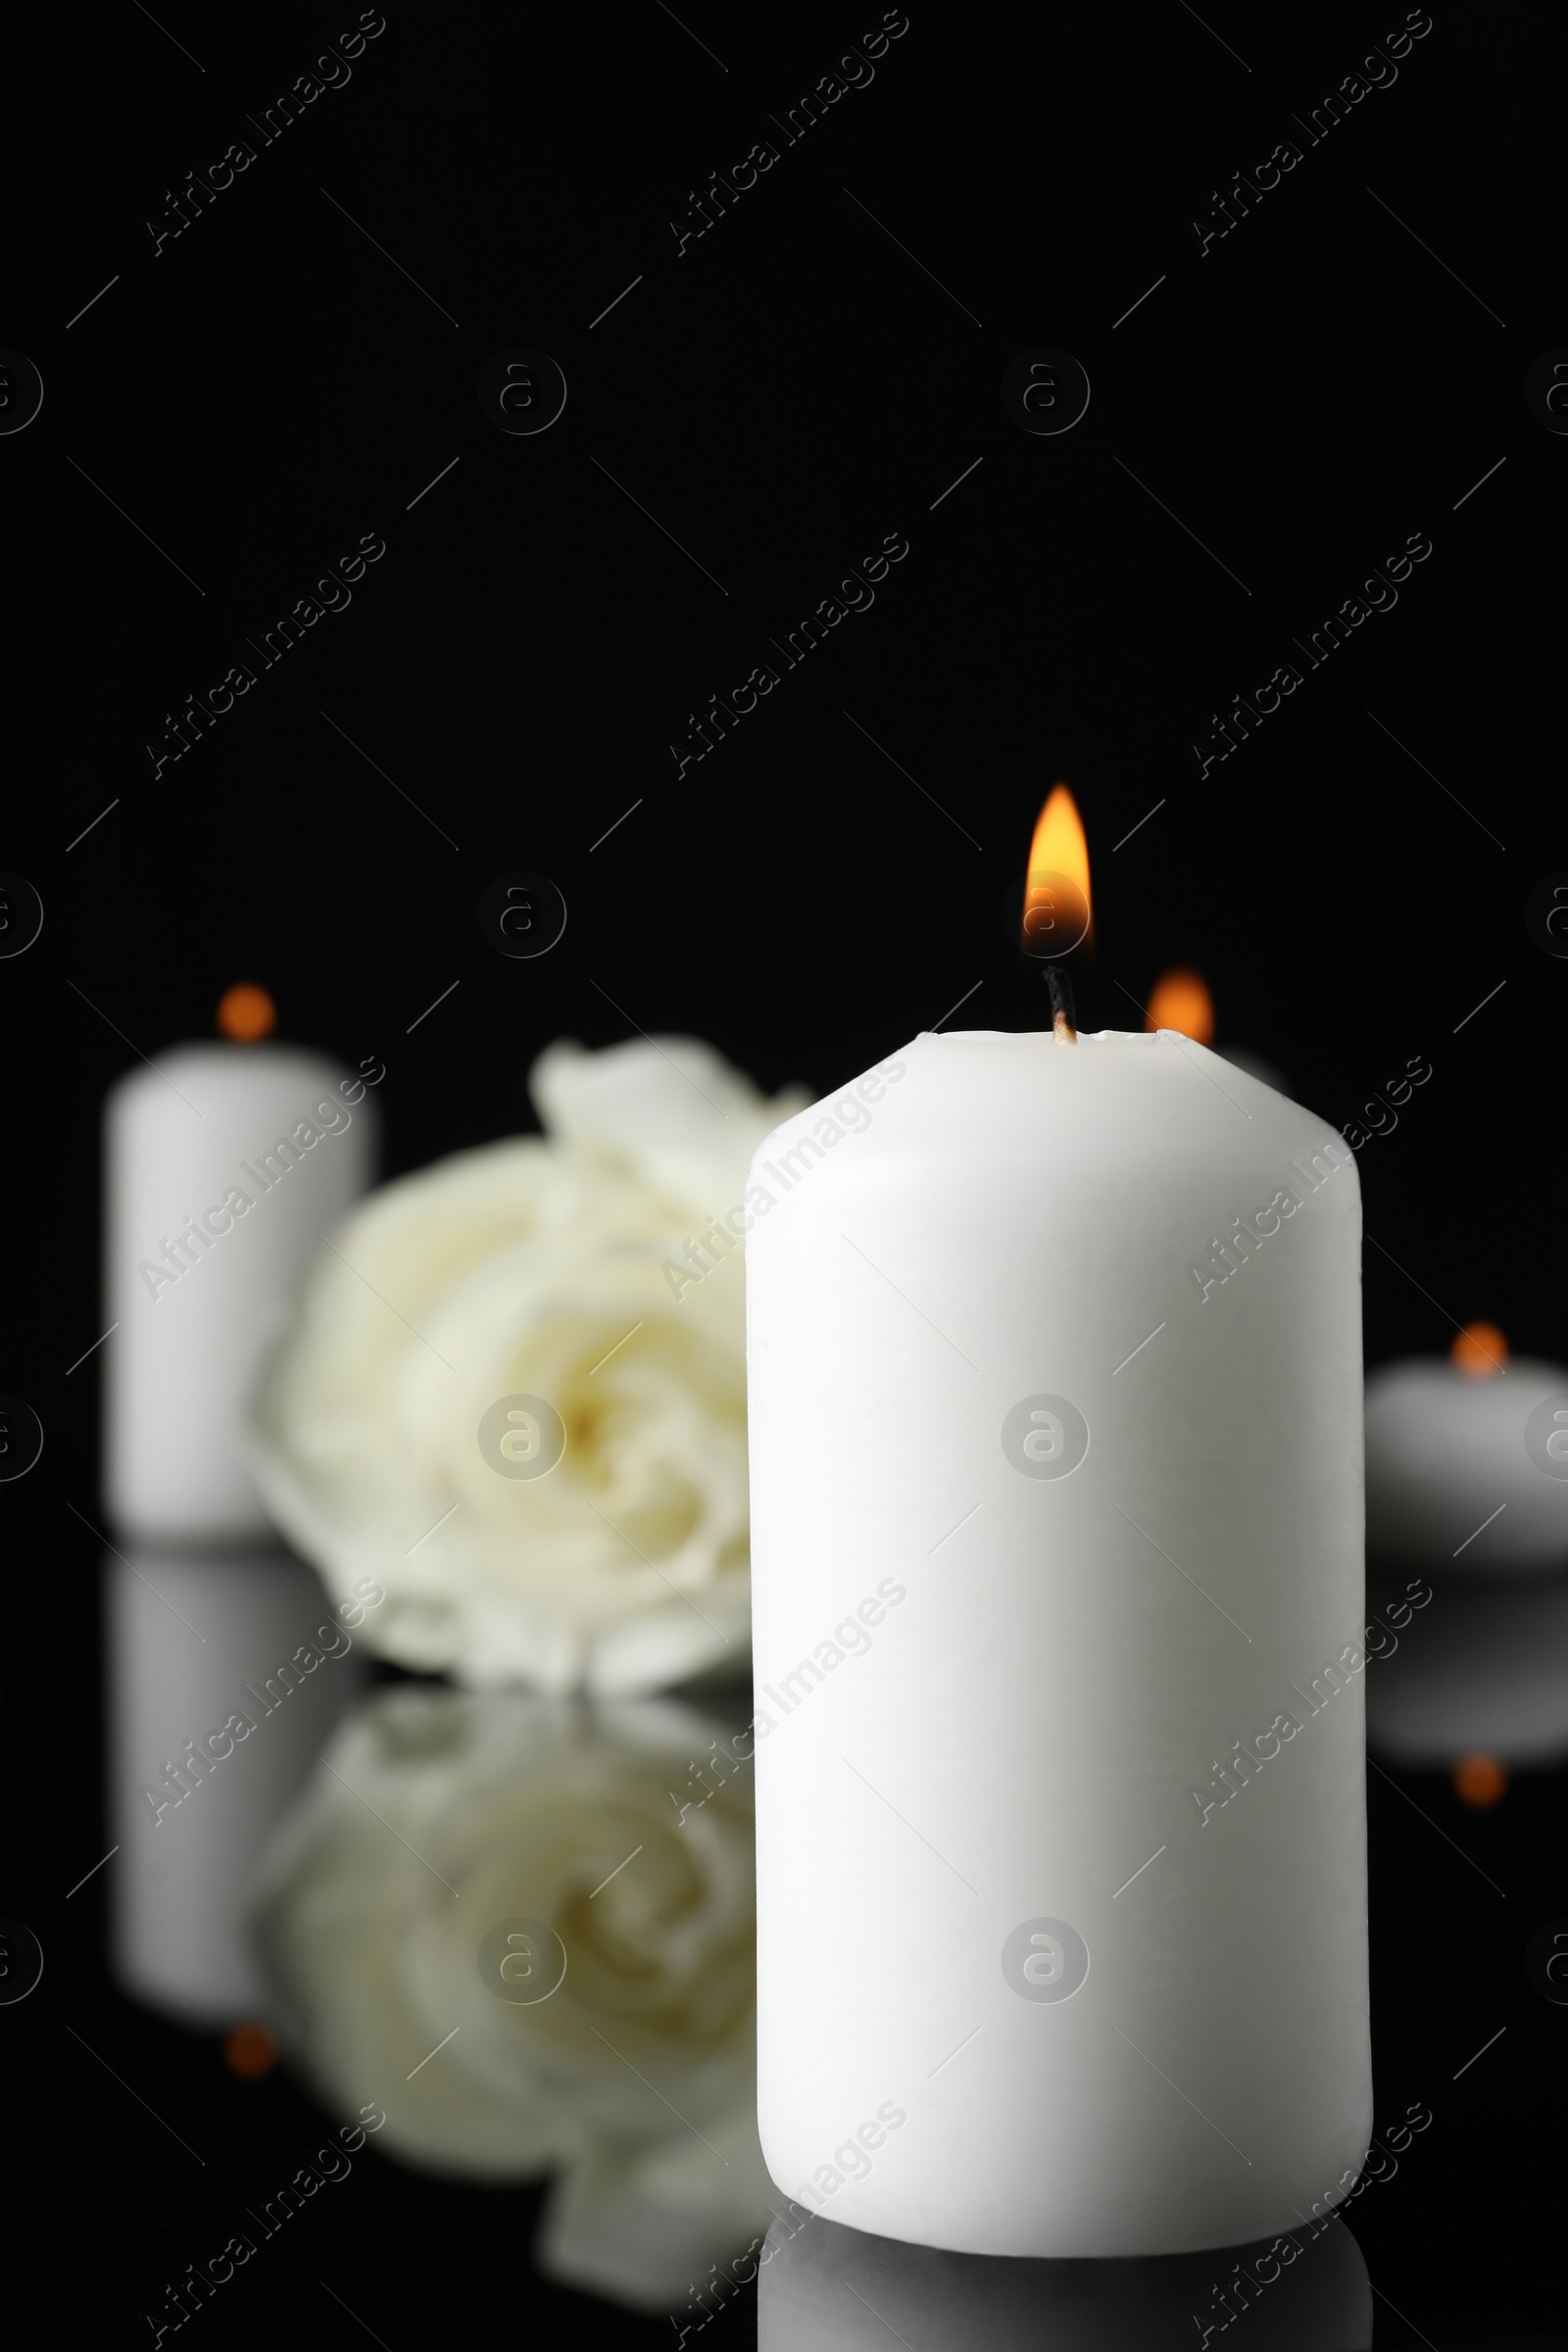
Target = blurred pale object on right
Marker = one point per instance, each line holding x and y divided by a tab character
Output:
1467	1460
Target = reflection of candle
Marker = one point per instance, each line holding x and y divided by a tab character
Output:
223	1688
224	1164
1056	1430
1483	1670
821	2288
1467	1460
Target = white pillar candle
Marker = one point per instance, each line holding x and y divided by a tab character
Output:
225	1680
1468	1476
1056	1538
224	1164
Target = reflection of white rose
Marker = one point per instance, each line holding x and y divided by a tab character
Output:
557	1268
440	1816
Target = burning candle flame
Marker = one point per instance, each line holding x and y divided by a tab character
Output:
1480	1351
1181	1001
1058	852
246	1013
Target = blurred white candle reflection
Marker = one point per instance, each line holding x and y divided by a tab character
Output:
225	1680
1467	1460
1482	1673
822	2288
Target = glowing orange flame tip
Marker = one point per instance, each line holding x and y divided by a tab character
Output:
1060	846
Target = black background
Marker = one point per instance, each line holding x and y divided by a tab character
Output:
781	395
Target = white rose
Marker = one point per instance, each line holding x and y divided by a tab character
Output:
557	1268
647	2225
441	1816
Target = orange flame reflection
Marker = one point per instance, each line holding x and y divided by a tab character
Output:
1479	1781
250	2052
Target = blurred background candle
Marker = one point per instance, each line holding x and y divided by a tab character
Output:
224	1164
1467	1460
1056	1438
1180	1000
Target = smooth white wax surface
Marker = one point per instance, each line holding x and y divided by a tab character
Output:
184	1637
180	1367
1443	1450
1053	1667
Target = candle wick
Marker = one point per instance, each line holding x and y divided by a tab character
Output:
1059	989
